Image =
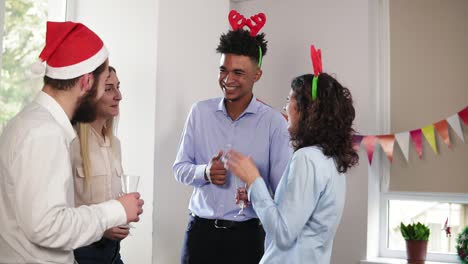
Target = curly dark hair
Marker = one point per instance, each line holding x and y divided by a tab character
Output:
240	42
327	121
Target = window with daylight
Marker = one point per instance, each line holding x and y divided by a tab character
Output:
446	215
22	39
435	214
427	43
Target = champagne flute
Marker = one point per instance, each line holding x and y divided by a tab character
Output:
241	187
129	185
224	158
241	192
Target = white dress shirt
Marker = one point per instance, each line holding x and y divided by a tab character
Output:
38	220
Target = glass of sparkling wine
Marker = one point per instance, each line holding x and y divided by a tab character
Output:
241	190
241	196
129	185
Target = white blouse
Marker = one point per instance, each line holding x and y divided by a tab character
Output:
106	170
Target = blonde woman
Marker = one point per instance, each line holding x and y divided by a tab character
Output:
97	169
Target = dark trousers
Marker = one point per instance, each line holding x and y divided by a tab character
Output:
104	251
207	241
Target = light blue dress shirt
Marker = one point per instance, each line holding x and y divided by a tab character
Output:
301	222
260	132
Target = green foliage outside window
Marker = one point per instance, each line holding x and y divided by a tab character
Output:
23	39
462	246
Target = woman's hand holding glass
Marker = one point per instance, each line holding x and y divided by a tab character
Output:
242	166
235	162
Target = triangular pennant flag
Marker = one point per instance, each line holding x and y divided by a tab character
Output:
403	140
429	134
416	136
442	129
357	142
387	142
454	122
369	142
463	114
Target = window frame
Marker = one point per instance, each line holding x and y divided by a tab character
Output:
55	7
58	10
379	172
2	23
385	197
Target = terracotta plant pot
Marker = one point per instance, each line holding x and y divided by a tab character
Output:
416	251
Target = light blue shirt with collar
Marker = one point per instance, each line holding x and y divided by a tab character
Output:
301	221
260	132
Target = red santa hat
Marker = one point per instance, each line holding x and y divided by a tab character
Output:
71	50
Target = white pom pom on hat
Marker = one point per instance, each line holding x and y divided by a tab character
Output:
71	50
38	68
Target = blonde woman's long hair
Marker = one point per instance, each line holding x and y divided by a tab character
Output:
84	129
83	134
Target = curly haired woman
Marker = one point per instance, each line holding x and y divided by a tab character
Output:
301	220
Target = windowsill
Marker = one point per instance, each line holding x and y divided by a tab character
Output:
394	261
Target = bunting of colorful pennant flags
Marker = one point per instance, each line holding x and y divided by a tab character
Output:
387	142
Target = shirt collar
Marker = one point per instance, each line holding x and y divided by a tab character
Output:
252	108
57	112
103	141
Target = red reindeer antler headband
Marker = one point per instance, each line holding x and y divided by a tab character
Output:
316	56
254	23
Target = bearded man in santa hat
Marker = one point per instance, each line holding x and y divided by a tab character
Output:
39	223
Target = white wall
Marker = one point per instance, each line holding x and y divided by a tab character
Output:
129	31
151	38
187	72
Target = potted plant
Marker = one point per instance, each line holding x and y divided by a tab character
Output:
416	236
462	246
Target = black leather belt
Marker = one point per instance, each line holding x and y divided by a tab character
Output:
226	224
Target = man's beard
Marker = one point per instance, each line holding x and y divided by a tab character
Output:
86	111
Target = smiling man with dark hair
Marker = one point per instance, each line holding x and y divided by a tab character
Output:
216	232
